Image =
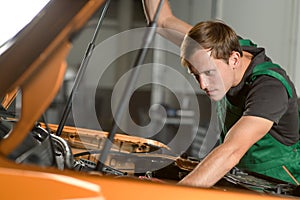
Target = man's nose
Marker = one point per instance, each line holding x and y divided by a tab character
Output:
203	82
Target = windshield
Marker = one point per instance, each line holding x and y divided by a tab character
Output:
15	15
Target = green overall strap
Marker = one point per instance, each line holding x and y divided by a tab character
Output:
247	43
264	69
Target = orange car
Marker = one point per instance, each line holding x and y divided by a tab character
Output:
30	169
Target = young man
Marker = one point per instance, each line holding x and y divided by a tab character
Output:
259	101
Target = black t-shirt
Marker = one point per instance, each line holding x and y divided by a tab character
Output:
267	97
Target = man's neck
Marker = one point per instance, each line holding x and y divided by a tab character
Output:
245	62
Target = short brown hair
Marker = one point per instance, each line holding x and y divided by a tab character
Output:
215	36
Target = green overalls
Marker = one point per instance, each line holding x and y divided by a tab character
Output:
267	156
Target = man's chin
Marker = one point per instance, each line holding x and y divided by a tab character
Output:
216	97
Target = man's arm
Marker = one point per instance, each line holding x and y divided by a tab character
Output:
174	29
247	131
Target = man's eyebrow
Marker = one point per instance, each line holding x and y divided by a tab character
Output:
198	73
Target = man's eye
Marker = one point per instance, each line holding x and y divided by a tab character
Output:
209	73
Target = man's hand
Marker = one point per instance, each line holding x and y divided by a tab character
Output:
174	29
150	7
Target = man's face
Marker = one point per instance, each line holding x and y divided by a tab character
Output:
213	75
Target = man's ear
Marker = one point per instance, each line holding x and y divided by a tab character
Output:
235	59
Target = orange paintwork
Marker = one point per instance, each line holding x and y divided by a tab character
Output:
30	182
